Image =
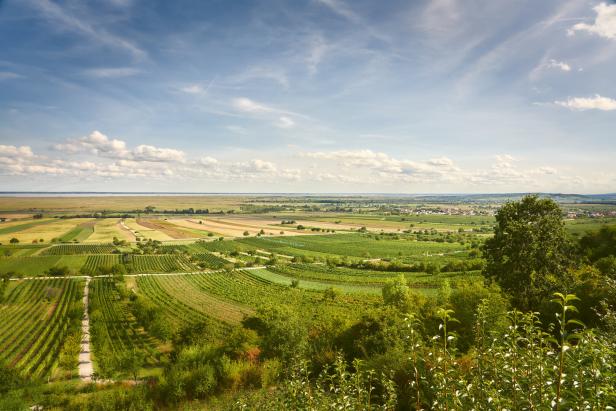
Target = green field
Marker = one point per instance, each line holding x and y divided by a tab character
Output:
159	264
35	318
71	249
37	265
352	245
114	330
20	227
79	233
276	278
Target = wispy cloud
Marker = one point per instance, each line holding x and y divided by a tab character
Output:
112	72
56	14
9	75
197	88
285	122
258	72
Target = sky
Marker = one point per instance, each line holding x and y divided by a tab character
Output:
323	96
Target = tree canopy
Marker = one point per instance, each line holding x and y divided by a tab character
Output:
530	252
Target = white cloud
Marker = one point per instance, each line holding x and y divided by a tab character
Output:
15	152
281	118
504	158
112	72
208	161
558	65
441	161
589	103
249	106
257	166
604	24
547	170
96	143
386	166
192	89
380	169
100	145
275	74
285	122
151	153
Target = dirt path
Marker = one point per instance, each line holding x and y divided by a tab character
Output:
125	229
85	361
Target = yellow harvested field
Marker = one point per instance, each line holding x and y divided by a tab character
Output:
327	225
235	227
20	222
193	224
83	204
370	226
129	235
145	232
13	216
46	231
107	228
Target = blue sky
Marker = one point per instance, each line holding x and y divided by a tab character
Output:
308	96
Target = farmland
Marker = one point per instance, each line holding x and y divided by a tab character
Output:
106	229
36	317
115	331
159	283
37	230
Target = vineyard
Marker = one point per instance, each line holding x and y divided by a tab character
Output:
184	290
182	311
94	262
276	278
35	319
114	330
351	276
250	290
166	263
352	245
210	260
71	249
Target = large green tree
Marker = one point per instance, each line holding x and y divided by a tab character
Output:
530	253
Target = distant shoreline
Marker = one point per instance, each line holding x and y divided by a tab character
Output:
312	194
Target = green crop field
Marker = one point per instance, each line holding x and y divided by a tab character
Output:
70	249
35	318
210	260
79	233
114	330
182	311
21	250
166	263
276	278
94	262
353	245
23	226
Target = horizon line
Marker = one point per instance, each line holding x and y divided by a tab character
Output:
310	193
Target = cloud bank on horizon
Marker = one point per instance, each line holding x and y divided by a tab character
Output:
308	96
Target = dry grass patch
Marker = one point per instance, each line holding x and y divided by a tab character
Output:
106	229
169	229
